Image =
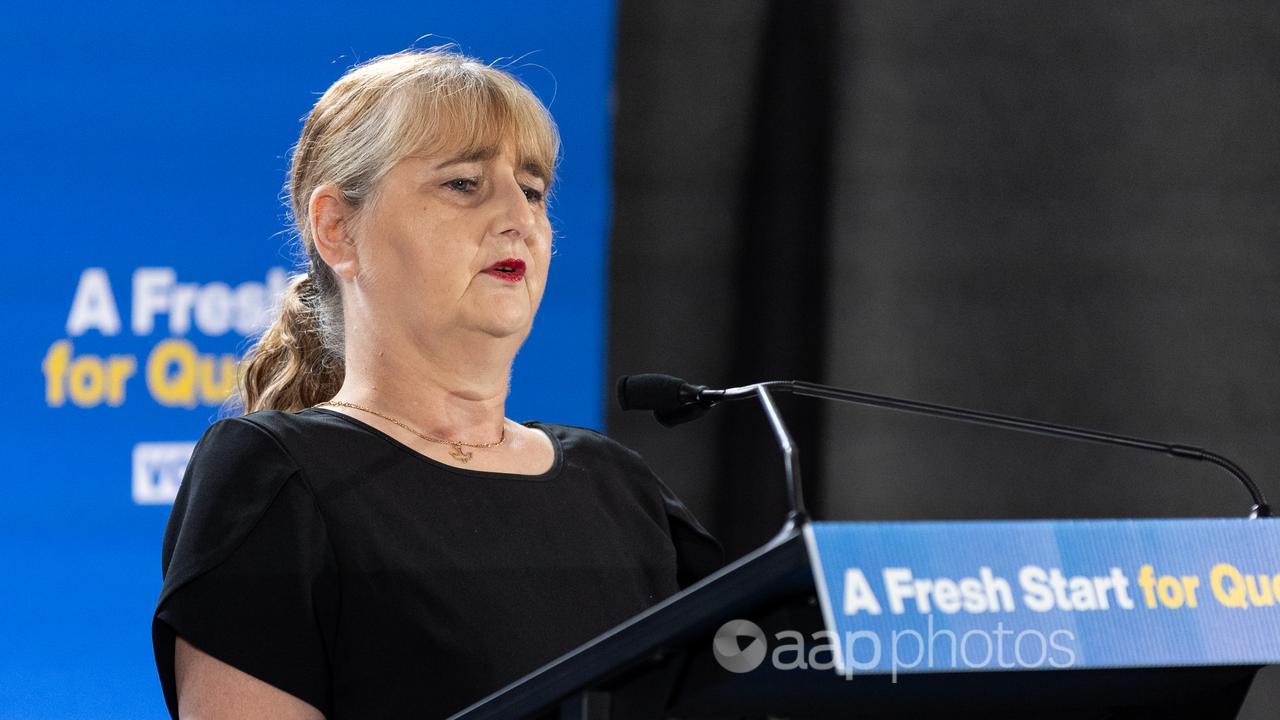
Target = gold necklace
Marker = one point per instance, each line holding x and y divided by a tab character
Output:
455	446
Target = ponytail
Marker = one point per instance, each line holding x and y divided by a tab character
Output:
291	366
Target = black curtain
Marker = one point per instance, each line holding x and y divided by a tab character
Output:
1068	211
752	274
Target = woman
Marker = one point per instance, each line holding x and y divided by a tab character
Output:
375	538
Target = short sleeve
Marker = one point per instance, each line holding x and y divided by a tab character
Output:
698	553
248	575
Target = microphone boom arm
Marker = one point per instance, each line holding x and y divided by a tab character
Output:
709	397
797	515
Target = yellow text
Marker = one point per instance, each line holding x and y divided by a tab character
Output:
179	376
88	380
1235	589
1169	591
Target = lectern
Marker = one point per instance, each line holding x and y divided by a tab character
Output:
1025	619
981	619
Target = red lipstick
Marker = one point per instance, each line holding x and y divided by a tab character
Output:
511	269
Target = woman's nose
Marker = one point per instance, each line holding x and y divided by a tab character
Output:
516	215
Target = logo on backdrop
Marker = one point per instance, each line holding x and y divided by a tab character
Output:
174	372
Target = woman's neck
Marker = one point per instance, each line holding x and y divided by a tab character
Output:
457	394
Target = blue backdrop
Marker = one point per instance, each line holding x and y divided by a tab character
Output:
146	150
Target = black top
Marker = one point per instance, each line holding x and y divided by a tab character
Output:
319	554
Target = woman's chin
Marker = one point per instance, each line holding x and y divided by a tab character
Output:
505	328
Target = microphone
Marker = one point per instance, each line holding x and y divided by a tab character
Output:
674	401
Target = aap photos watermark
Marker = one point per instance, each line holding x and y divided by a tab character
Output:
741	646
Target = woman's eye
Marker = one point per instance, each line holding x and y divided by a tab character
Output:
533	195
465	185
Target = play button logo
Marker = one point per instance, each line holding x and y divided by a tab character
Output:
739	646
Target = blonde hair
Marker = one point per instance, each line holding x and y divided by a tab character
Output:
379	112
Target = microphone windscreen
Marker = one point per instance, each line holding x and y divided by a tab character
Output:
650	391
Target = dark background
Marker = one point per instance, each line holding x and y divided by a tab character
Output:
1065	211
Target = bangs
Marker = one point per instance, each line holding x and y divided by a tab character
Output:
472	110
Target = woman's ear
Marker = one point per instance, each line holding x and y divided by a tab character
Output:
331	224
